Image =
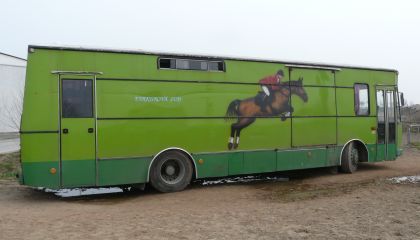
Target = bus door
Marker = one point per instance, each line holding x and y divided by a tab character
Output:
77	125
386	128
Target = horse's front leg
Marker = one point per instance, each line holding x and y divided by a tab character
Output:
288	108
286	112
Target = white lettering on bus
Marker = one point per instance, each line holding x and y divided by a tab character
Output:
157	99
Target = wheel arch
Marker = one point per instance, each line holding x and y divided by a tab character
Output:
361	146
185	152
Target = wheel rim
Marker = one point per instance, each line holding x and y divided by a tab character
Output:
172	171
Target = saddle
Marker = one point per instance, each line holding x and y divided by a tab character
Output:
259	99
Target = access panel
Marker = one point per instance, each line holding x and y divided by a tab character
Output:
313	120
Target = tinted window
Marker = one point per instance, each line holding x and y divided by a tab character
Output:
77	99
391	116
166	63
361	99
191	64
216	66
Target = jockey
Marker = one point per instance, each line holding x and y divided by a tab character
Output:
269	84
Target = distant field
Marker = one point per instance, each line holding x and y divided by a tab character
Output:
9	142
9	135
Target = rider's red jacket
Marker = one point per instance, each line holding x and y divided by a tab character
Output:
271	81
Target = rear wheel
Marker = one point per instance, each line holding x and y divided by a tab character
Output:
171	171
349	159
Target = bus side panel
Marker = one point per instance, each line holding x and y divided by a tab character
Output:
358	128
123	171
314	121
143	137
351	126
39	157
39	125
302	158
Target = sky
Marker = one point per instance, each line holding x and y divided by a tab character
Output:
376	33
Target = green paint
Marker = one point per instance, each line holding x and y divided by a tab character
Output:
39	147
314	136
123	171
356	128
392	152
236	163
371	152
78	138
380	152
333	157
78	173
306	134
213	165
261	161
37	174
300	159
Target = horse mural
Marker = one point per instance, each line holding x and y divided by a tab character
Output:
246	111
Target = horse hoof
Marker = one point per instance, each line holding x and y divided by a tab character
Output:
235	146
230	145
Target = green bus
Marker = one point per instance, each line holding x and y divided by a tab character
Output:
101	117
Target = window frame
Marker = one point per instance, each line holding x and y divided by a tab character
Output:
357	100
192	59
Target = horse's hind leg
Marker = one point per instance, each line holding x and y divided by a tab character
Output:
232	136
236	143
243	123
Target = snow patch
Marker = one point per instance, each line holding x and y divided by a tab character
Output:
406	179
244	179
77	192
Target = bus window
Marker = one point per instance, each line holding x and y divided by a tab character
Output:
361	99
191	64
391	116
77	101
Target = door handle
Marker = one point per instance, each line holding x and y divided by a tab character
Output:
90	130
65	130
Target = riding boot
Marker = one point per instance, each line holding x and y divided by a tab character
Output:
261	100
265	102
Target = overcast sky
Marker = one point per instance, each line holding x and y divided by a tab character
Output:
376	33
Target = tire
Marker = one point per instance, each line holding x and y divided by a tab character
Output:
171	172
349	159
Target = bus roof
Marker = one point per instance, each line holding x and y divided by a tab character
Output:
168	54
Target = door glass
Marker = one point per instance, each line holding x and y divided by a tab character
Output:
381	116
77	101
391	116
361	99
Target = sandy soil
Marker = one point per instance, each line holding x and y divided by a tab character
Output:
314	204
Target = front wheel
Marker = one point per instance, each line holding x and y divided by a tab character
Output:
349	159
171	171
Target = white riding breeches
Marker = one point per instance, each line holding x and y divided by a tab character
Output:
266	91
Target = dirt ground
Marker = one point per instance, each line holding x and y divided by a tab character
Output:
314	204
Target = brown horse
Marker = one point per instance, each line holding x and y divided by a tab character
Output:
246	111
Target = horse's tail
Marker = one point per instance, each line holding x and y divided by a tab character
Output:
232	111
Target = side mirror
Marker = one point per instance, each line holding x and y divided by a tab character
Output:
402	101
